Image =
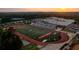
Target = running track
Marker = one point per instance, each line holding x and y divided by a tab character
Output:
32	41
64	38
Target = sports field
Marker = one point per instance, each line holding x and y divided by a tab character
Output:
32	32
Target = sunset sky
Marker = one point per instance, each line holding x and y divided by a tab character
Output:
39	9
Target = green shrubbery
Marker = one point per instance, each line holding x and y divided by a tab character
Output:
53	37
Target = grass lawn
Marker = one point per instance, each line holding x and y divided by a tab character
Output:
31	47
53	37
32	32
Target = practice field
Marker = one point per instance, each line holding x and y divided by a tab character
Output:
32	32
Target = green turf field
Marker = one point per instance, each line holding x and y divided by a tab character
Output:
32	32
31	47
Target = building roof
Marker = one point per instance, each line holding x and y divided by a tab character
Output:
74	27
59	21
44	24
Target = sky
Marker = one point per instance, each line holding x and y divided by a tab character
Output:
39	9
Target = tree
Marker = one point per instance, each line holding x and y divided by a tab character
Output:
6	19
10	41
77	20
54	37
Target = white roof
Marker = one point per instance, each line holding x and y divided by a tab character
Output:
59	21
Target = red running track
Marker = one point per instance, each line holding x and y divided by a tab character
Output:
64	38
22	36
